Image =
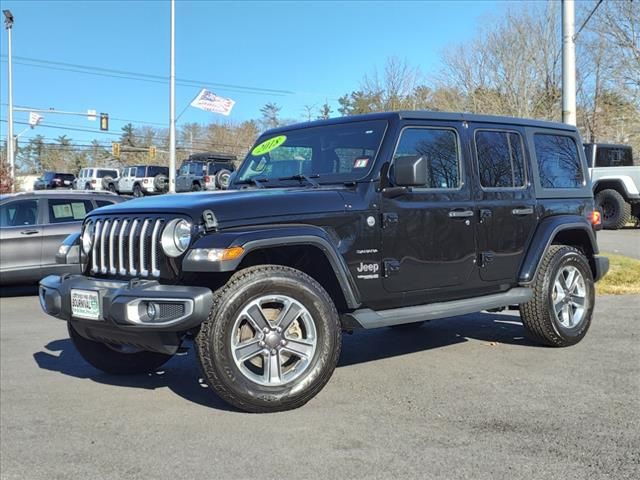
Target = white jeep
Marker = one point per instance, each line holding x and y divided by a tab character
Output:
97	179
616	183
143	180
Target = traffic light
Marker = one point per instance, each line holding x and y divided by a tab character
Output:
152	152
104	121
115	149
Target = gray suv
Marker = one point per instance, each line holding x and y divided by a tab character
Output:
143	180
205	171
32	227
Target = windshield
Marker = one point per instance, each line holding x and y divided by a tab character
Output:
330	153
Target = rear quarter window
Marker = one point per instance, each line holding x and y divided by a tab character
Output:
558	160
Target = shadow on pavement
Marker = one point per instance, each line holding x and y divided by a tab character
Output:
182	377
18	291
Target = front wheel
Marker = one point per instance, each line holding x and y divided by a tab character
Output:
272	339
559	314
115	359
137	191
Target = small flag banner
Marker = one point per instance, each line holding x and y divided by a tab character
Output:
210	102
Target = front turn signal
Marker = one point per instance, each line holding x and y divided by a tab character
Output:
595	217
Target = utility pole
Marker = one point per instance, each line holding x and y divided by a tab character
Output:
568	63
172	103
8	22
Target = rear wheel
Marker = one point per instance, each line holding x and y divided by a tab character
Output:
559	314
116	359
272	339
137	191
615	211
196	187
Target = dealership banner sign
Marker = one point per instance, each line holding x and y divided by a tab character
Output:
210	102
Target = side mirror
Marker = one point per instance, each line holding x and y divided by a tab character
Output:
232	178
410	171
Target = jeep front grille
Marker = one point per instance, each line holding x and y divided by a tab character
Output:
126	246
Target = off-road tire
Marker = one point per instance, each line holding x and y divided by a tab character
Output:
222	179
540	323
112	188
214	338
615	211
110	360
137	191
106	181
160	183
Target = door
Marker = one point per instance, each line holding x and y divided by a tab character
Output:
429	232
505	200
63	217
183	182
20	240
125	184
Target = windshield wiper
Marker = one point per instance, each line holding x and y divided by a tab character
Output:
301	177
257	181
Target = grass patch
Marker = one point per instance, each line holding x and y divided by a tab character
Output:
623	277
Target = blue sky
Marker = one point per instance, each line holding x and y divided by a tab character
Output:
316	50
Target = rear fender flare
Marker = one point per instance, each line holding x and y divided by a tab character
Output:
544	236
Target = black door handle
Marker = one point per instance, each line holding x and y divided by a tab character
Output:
29	232
485	214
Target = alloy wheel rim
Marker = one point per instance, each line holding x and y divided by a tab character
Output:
273	340
569	297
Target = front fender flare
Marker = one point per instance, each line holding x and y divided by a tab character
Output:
269	237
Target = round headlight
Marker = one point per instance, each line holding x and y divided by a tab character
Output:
87	237
176	237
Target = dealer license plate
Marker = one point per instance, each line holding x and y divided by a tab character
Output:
85	304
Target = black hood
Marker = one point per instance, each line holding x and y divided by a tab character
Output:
233	205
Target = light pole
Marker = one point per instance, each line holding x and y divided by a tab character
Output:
568	63
172	104
8	22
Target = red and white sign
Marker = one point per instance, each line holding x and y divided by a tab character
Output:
210	102
34	119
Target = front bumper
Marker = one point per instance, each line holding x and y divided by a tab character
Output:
123	315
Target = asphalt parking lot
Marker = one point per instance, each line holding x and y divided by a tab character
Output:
460	398
623	242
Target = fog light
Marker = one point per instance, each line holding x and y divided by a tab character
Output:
151	311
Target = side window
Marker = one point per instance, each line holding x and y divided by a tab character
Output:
103	203
439	147
500	159
558	161
139	172
19	213
613	157
67	210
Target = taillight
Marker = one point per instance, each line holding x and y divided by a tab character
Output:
207	179
595	217
146	180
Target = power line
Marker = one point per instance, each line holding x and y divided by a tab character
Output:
125	74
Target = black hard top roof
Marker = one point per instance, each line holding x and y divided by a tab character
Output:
210	156
430	115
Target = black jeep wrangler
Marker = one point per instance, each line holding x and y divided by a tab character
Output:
361	222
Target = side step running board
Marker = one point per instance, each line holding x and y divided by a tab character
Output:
368	318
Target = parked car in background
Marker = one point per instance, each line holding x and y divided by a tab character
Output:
51	180
98	179
34	224
616	183
205	171
143	180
